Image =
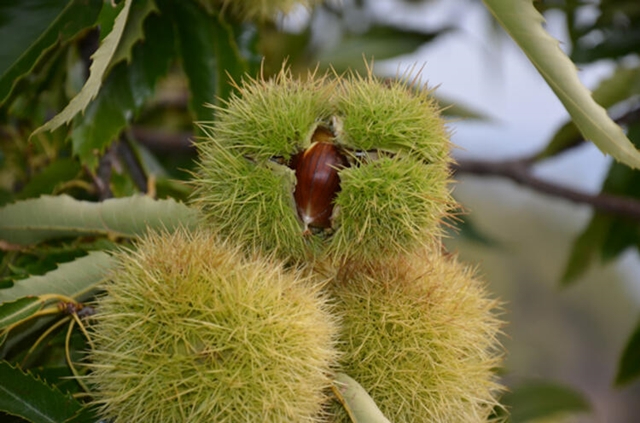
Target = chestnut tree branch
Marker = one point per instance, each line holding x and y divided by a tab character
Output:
519	171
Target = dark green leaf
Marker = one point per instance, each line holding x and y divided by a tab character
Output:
534	400
5	196
58	171
196	45
230	64
54	375
623	234
125	91
607	236
31	27
208	50
586	248
133	31
21	394
37	220
629	365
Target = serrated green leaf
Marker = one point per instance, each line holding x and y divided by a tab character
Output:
133	30
540	399
39	260
230	64
196	46
44	182
210	55
37	220
101	61
124	92
629	365
357	402
621	85
76	279
35	26
524	24
18	310
21	394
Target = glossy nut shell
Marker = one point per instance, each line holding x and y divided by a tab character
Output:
318	182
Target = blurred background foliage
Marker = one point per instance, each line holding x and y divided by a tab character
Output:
573	354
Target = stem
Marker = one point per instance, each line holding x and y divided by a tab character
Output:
519	171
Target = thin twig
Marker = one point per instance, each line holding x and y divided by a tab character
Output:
131	161
519	171
162	141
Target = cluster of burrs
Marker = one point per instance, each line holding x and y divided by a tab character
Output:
322	201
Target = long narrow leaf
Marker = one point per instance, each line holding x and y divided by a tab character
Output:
134	30
359	405
49	217
623	84
126	89
101	61
196	40
539	399
75	279
524	24
18	310
629	366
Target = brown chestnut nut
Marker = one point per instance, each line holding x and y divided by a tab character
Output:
318	181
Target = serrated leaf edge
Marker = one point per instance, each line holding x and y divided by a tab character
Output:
101	61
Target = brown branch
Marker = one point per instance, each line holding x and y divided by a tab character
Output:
162	141
131	161
519	171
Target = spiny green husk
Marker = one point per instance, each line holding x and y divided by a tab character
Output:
192	331
391	201
386	208
419	334
391	116
273	118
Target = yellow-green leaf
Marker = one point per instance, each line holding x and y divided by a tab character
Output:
524	24
75	279
357	402
49	217
621	85
101	61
